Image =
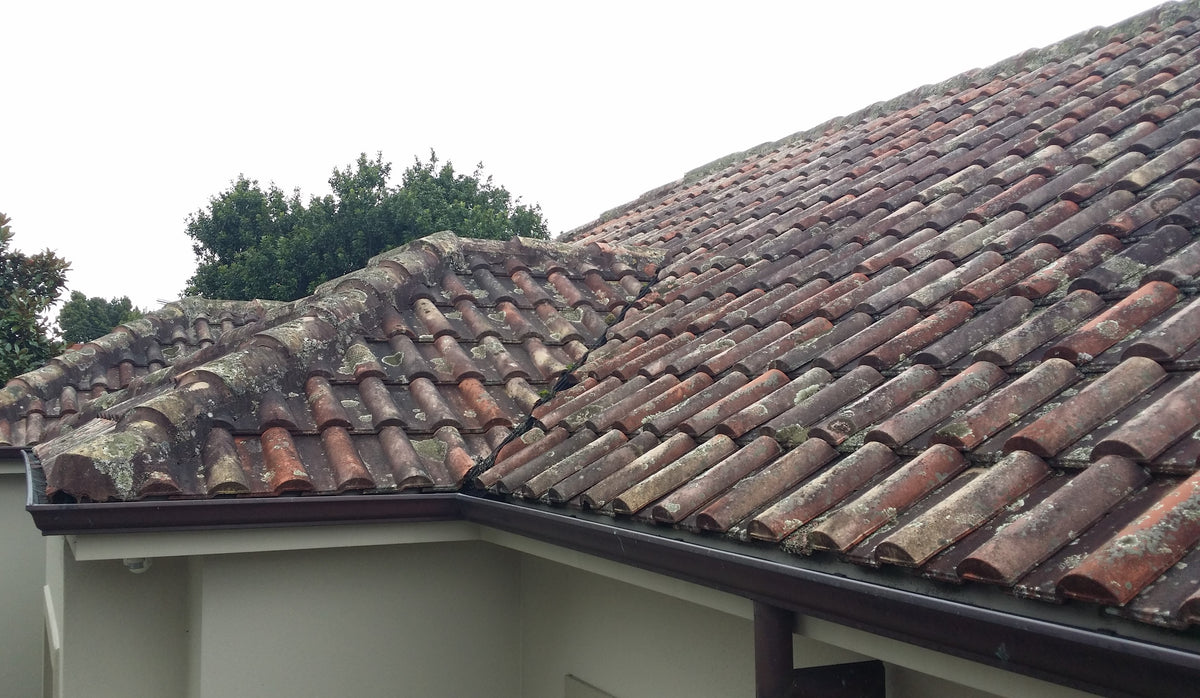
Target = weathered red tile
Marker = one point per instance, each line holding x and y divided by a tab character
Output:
1133	261
636	414
882	401
770	307
777	402
790	427
838	307
1180	269
1082	412
822	492
602	415
930	294
1027	541
284	470
757	351
804	352
1060	273
703	457
918	336
682	502
350	473
515	477
569	487
852	522
753	492
962	512
802	310
1011	312
1137	554
1155	428
539	476
532	444
1037	257
556	411
1007	405
1041	328
748	394
1171	159
886	329
1109	327
664	421
652	461
937	405
886	298
1171	339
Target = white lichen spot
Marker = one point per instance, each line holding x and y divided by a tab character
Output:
806	393
1109	329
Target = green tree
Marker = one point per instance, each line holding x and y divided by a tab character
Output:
252	242
83	319
29	285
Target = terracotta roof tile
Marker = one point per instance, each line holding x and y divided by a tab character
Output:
1040	328
1109	327
1070	420
1073	507
1123	566
866	513
1007	405
937	404
1172	338
765	486
959	514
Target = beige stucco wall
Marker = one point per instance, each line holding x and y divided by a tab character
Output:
416	620
21	637
421	620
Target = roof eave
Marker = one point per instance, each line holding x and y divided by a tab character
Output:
1098	661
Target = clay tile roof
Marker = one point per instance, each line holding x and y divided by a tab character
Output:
957	334
403	375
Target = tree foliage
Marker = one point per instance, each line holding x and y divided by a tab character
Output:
252	242
83	319
29	285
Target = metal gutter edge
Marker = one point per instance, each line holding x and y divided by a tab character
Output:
212	514
1076	657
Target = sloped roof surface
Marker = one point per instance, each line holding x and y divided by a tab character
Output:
399	376
955	334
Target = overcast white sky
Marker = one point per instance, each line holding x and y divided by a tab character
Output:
119	119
